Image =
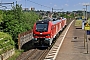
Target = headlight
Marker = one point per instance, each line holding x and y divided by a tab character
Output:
47	38
35	38
48	35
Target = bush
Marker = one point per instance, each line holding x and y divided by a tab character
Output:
6	42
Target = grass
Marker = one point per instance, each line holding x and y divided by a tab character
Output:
15	56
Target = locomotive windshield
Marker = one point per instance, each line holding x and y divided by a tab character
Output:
42	27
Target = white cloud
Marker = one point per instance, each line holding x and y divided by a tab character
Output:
78	4
82	4
55	5
50	3
86	3
66	5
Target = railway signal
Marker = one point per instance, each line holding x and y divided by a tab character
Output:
87	26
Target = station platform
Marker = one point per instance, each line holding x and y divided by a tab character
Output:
74	47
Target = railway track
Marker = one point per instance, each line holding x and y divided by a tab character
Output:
35	54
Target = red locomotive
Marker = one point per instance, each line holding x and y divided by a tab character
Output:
46	30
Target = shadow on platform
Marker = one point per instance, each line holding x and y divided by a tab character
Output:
78	28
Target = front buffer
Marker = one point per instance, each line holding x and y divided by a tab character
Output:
42	42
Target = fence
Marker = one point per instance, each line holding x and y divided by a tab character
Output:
24	38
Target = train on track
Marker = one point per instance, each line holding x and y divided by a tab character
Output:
44	31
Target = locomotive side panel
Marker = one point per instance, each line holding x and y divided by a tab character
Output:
64	22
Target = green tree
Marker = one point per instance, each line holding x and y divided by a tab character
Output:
1	15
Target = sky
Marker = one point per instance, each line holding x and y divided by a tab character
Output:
66	5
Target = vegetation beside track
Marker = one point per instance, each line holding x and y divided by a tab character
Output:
6	42
17	53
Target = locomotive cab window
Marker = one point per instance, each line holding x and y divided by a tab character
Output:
42	27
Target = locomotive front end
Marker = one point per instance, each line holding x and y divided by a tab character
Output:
41	33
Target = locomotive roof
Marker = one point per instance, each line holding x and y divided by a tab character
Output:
43	21
55	22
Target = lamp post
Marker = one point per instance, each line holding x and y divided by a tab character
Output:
84	13
86	4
